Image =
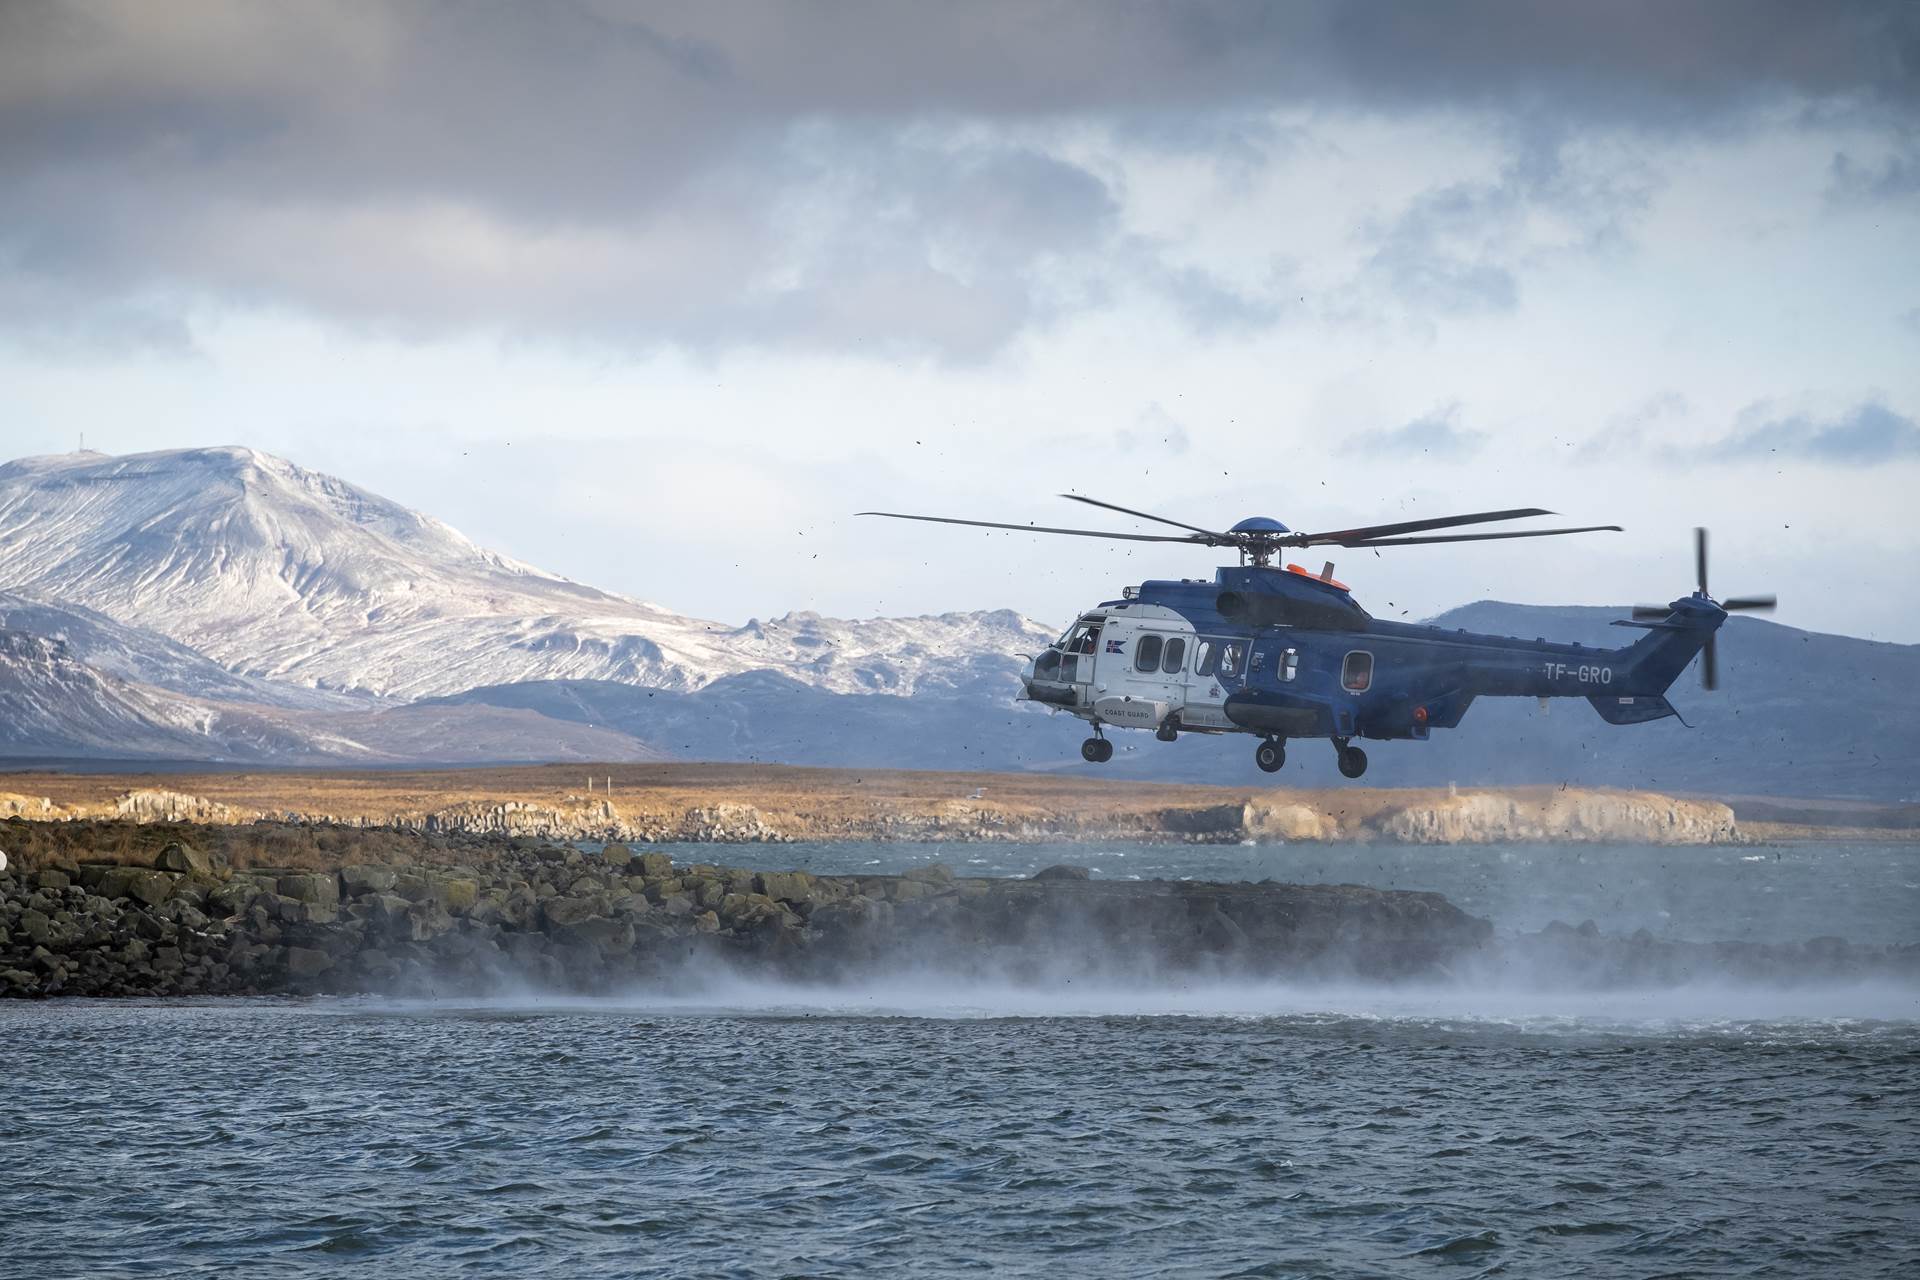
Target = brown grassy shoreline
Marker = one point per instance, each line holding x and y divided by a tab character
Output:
731	803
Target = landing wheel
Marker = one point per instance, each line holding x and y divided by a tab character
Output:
1270	755
1169	730
1353	761
1096	751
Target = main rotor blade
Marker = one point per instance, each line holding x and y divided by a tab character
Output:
1737	603
1039	528
1353	537
1700	558
1486	537
1710	664
1129	511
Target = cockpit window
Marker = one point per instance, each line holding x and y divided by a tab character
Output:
1082	637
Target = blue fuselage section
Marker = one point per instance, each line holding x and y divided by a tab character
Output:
1286	655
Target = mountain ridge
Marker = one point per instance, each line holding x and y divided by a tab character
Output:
294	576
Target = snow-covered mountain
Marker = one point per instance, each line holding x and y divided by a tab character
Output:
146	657
54	705
284	574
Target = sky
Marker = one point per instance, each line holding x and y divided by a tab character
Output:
659	296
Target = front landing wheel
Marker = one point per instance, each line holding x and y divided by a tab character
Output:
1096	751
1353	761
1270	755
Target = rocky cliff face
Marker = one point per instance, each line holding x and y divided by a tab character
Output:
1575	816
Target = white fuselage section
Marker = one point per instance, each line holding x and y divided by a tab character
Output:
1140	666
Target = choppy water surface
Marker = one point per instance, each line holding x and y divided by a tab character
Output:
725	1127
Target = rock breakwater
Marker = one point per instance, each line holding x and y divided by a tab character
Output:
555	918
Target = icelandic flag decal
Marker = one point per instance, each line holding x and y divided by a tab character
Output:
1116	646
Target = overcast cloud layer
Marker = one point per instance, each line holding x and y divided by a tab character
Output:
575	275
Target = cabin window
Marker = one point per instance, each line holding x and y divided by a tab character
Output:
1289	664
1356	673
1146	652
1215	655
1175	656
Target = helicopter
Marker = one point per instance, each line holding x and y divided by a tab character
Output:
1284	653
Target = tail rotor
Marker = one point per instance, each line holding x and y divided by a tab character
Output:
1710	652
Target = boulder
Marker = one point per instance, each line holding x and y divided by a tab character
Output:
707	922
382	907
786	886
305	962
412	887
427	920
933	873
51	878
616	855
150	887
741	908
456	894
36	925
183	858
598	931
558	913
319	888
905	890
656	866
233	897
362	879
1062	871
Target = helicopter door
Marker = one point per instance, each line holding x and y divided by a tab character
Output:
1219	663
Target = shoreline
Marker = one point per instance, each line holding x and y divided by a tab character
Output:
747	804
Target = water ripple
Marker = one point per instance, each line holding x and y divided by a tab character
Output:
646	1139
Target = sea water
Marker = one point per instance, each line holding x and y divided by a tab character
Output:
732	1127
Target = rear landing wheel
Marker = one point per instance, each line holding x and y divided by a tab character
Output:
1353	761
1270	755
1096	751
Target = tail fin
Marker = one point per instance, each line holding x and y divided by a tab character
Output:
1655	661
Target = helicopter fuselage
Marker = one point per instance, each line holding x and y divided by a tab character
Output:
1283	654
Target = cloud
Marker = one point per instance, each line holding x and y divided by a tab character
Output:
1893	177
1866	434
851	176
1437	434
1640	428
